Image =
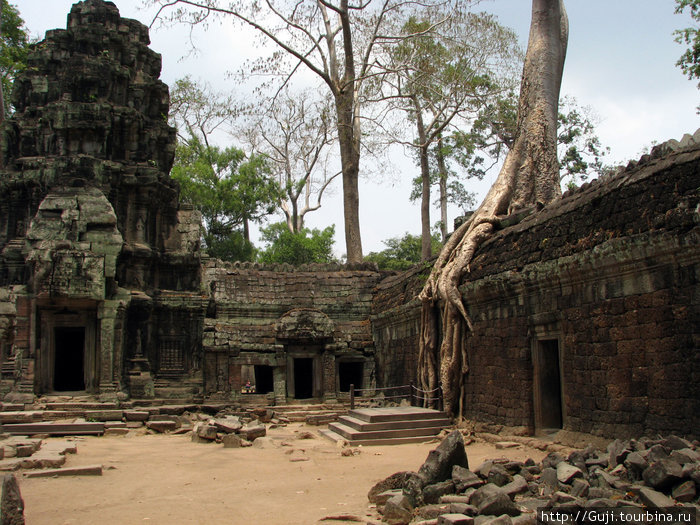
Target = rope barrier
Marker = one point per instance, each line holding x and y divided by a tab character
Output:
426	391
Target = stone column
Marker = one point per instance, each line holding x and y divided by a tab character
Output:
328	376
106	316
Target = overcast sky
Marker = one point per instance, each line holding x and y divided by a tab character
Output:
621	62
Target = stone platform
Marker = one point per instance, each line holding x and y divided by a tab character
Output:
387	426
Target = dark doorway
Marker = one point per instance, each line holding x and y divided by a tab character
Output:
549	382
263	379
69	359
303	377
350	373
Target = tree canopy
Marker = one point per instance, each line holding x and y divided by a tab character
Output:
14	44
303	247
689	62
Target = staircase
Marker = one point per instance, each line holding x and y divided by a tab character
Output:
387	426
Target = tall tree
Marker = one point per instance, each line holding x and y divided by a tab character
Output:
337	41
14	43
295	133
231	189
529	178
443	78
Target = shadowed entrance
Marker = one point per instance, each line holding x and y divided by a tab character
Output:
69	360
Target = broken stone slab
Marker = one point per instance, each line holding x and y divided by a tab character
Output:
464	478
163	426
685	456
395	481
382	498
580	488
493	500
264	442
617	452
433	492
251	432
674	442
499	475
87	470
652	498
517	486
231	441
455	519
398	510
205	431
566	472
136	415
662	474
549	477
11	503
227	425
684	492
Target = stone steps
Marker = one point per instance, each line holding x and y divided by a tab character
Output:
387	426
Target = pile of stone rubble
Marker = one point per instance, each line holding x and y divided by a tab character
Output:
236	431
644	473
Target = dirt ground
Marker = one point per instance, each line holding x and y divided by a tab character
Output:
168	479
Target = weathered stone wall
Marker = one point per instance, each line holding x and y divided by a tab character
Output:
396	326
610	272
257	311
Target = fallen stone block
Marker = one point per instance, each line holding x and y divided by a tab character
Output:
382	498
432	493
231	441
566	472
684	492
87	470
395	481
398	510
653	499
11	503
227	425
252	432
205	431
517	486
492	500
464	478
136	415
162	426
455	519
662	474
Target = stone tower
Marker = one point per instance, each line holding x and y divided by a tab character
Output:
99	265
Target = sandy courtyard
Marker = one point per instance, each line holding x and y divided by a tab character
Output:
168	479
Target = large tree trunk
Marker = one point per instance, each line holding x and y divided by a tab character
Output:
529	177
350	162
426	250
442	173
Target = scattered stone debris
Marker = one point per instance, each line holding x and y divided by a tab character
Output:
646	472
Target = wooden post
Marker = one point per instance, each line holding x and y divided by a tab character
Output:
410	394
352	396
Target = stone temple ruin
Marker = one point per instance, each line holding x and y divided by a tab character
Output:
585	314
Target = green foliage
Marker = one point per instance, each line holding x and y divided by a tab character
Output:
402	252
306	246
581	154
689	62
14	45
229	189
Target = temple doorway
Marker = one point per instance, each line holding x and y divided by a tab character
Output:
303	377
547	385
69	358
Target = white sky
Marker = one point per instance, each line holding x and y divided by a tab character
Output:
621	62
